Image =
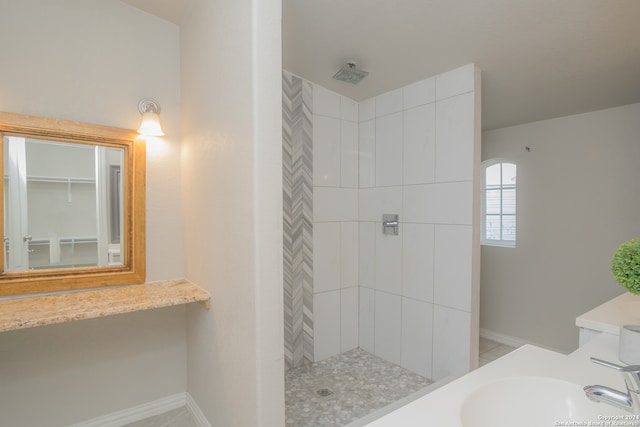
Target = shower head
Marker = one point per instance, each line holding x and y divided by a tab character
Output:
350	74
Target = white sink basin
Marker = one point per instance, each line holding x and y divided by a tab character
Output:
532	402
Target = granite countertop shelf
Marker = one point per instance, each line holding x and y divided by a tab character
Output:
32	311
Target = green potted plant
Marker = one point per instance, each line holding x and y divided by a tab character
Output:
625	266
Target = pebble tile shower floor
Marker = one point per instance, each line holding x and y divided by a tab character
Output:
344	388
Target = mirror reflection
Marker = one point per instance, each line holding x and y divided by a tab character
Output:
63	204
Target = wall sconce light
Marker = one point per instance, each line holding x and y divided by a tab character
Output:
150	110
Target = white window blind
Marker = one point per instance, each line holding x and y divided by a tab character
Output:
499	204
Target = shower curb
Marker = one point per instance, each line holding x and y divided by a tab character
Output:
399	403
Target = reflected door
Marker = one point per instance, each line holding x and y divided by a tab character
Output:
16	205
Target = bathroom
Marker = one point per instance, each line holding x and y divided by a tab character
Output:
230	358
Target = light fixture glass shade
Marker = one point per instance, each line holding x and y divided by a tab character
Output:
150	125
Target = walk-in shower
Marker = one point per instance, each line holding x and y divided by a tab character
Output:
405	293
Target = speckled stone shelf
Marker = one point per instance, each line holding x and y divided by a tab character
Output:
29	312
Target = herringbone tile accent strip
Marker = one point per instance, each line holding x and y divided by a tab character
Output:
297	193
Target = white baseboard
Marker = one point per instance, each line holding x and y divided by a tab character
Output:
149	409
136	413
513	341
196	413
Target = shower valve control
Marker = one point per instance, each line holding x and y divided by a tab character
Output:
390	223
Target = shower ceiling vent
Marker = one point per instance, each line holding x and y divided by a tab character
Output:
350	74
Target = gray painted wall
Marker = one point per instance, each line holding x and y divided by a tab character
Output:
578	199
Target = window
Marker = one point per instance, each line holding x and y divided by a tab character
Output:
499	203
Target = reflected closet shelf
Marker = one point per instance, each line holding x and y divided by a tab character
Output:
63	241
58	179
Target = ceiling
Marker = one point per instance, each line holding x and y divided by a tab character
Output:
539	58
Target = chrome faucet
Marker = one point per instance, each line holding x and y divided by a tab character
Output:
629	401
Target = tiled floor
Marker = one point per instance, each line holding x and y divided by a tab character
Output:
491	350
359	382
177	418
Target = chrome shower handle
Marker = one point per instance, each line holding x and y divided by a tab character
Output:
390	223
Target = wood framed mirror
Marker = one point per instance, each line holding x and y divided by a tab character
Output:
73	199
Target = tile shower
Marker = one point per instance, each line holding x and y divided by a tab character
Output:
410	299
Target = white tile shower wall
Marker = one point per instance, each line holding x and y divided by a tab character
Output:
349	109
419	93
326	256
417	261
366	311
388	262
442	203
388	103
326	151
388	147
348	318
326	324
349	154
373	202
411	151
451	341
387	324
417	331
335	204
419	145
454	138
367	255
455	82
348	254
452	249
367	110
326	103
367	154
418	151
335	223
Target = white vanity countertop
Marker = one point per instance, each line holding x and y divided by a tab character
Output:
608	317
442	407
603	346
